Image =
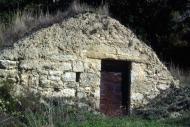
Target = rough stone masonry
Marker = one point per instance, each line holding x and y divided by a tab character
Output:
64	60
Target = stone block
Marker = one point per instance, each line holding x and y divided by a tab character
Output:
92	65
7	64
61	57
137	73
13	80
97	93
44	82
55	73
33	80
137	97
89	79
69	76
26	65
69	92
54	78
71	84
163	86
81	94
65	66
43	72
56	84
78	66
24	79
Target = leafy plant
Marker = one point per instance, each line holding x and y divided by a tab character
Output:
8	103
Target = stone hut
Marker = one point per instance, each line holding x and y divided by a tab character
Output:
89	60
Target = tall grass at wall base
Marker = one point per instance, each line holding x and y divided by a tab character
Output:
35	114
91	120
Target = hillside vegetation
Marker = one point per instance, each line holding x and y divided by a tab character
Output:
162	24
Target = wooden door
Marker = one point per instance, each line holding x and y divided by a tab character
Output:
115	88
111	96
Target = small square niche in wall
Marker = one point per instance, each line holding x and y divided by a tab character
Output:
78	76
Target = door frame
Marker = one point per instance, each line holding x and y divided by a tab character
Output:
110	65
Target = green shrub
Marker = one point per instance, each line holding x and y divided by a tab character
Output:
8	103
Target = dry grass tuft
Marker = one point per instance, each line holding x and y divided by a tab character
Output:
1	34
182	75
27	22
81	8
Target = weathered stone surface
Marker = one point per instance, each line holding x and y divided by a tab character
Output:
66	66
64	60
69	76
92	65
8	73
43	72
69	92
24	79
89	79
163	86
137	73
54	78
78	66
81	94
61	57
137	96
57	84
55	73
71	85
7	64
25	65
12	80
44	82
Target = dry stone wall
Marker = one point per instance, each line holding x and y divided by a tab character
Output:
72	78
64	60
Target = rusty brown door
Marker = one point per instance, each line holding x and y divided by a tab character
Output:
115	88
111	96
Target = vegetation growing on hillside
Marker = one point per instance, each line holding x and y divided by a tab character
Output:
26	22
163	24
